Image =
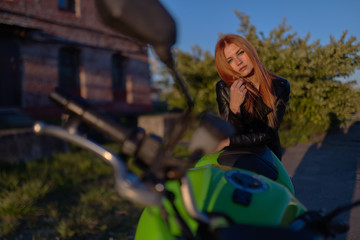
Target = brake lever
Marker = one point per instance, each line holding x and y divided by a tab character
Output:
318	222
127	184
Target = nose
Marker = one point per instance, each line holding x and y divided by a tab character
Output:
238	60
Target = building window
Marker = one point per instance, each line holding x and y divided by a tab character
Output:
69	66
67	5
10	73
118	63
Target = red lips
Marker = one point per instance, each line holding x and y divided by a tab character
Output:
243	68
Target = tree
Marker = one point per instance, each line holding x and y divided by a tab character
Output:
199	71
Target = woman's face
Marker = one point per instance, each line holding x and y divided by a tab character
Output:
238	60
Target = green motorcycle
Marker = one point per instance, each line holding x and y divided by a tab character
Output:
232	194
226	194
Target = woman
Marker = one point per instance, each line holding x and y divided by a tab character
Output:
250	97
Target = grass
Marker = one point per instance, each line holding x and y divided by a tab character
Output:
68	196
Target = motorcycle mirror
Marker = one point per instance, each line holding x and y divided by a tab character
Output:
149	22
145	20
208	136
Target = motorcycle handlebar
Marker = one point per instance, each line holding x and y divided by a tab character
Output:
127	184
134	143
129	139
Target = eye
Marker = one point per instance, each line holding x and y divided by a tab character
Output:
229	60
239	53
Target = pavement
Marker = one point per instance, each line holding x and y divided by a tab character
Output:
326	174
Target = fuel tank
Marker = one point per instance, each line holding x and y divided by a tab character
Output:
241	195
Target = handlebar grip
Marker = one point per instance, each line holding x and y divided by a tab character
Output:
339	227
86	113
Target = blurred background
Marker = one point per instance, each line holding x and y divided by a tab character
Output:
45	44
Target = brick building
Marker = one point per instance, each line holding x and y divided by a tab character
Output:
49	43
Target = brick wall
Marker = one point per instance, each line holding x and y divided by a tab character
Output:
44	29
40	73
82	27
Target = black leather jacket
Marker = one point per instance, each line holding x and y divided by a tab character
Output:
255	131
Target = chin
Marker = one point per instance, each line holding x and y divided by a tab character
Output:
248	74
245	74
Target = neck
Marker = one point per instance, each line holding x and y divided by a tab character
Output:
254	80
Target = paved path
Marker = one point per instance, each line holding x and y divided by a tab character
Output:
327	174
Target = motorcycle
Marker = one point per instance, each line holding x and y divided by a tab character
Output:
231	194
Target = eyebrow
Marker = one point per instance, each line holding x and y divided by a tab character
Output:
238	51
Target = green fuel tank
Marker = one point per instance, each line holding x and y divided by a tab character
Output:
243	196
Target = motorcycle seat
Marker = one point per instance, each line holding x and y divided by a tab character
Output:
256	159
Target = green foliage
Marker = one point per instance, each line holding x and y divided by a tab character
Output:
69	196
199	70
319	102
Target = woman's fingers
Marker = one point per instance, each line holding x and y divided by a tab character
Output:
238	85
237	95
234	86
242	87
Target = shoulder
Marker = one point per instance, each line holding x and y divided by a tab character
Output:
280	82
222	86
281	85
222	90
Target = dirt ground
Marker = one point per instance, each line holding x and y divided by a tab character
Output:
326	174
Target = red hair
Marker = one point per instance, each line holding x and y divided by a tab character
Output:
228	75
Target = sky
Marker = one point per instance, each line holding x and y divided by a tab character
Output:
199	22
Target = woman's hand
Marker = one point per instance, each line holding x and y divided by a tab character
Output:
222	144
237	95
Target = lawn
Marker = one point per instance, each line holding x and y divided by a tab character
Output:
67	196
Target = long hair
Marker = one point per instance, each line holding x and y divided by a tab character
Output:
227	74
